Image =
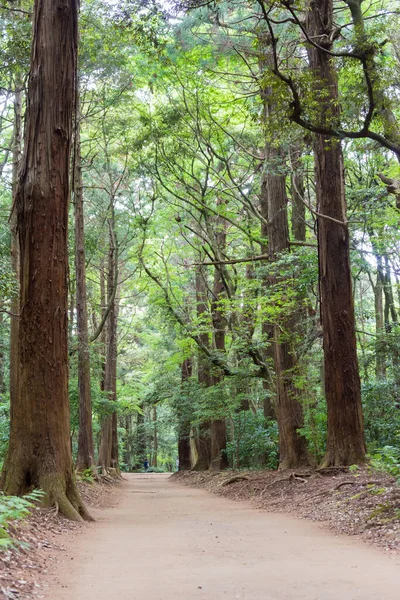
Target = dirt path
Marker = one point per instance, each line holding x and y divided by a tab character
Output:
165	541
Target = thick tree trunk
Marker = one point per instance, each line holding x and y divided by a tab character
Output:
345	444
85	458
184	455
39	452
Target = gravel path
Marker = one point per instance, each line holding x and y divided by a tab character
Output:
166	541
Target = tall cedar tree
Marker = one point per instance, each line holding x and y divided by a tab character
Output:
273	201
345	444
39	451
219	459
85	458
184	425
203	441
108	451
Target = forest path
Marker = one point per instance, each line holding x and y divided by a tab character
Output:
165	541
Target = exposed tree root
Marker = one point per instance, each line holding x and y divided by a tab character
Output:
21	474
234	479
331	470
291	477
353	482
105	479
66	498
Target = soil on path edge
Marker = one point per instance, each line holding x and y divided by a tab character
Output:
165	541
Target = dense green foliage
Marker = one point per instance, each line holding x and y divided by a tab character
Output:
173	135
14	509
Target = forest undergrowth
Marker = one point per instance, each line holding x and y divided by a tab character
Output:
38	544
359	501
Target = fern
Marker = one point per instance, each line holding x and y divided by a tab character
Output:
14	508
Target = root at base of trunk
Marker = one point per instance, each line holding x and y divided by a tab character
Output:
67	498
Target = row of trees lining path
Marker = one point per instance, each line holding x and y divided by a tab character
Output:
227	332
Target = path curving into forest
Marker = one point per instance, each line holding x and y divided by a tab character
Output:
165	541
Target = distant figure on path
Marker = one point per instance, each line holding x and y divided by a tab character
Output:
146	464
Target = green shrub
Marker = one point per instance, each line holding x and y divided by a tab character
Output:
387	460
381	414
255	441
14	508
87	475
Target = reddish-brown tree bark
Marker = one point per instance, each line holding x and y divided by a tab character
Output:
14	325
218	459
184	454
275	228
346	444
292	445
39	451
203	440
108	452
85	457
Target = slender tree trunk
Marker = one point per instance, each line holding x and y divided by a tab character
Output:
380	325
390	318
184	455
128	442
85	458
219	459
288	409
345	444
297	193
108	453
389	307
103	303
155	436
17	151
203	441
292	445
71	310
39	451
379	329
141	437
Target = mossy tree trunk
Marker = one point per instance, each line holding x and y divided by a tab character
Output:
39	453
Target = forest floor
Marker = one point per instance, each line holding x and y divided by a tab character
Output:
156	539
40	543
361	503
